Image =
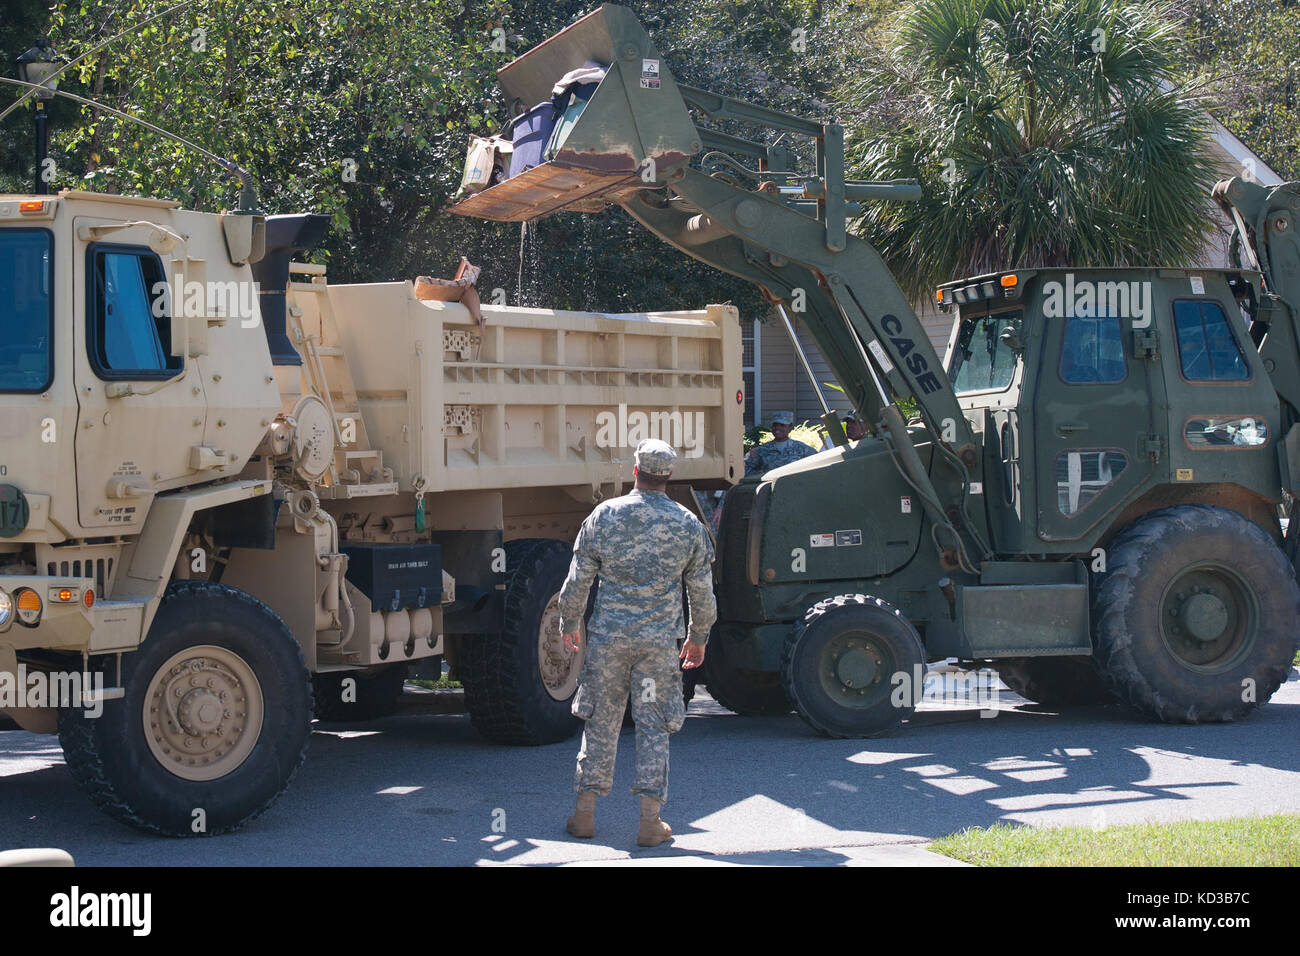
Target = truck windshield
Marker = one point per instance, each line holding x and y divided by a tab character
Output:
26	311
982	361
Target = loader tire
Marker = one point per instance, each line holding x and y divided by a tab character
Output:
1195	618
1055	681
214	723
841	666
377	694
519	684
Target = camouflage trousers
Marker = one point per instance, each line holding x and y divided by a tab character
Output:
651	676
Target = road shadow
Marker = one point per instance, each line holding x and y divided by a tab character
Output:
424	789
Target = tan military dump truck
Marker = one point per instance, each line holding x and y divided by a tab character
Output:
232	495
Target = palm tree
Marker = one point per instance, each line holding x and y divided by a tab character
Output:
1045	132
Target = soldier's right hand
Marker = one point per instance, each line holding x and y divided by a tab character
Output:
573	640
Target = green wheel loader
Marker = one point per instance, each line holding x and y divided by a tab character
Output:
1088	494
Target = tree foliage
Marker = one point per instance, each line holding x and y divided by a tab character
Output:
296	89
1252	50
1044	132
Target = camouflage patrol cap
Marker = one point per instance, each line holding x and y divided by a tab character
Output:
655	457
783	418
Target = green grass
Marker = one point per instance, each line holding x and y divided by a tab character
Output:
1244	841
1296	662
441	684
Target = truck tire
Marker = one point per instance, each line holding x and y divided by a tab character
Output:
745	692
206	767
377	694
520	683
1195	618
1055	681
839	665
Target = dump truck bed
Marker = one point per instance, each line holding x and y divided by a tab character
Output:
533	397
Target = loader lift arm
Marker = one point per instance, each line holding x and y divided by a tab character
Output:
634	144
1267	221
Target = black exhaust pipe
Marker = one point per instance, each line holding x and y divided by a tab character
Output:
286	237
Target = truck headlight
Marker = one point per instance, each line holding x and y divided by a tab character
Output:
6	608
29	607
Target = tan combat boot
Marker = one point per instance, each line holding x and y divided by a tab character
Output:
653	830
583	822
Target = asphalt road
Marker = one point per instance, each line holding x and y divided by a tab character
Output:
421	789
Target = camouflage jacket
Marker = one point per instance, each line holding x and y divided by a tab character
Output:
774	454
641	545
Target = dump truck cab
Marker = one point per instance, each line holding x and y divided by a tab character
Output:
123	379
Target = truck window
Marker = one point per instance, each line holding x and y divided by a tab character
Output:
127	338
982	361
26	310
1206	346
1092	351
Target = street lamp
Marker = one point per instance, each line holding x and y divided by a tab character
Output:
38	65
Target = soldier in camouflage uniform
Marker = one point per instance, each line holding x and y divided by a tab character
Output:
642	546
781	450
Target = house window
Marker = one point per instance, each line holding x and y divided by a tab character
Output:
751	357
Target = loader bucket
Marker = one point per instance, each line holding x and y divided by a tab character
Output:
634	129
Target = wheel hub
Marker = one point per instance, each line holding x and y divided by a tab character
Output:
1205	616
203	713
560	667
1209	616
854	669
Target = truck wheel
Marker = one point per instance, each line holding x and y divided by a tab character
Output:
1054	681
519	683
376	694
839	666
746	692
1195	619
214	723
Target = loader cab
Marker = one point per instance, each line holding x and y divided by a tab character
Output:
1095	391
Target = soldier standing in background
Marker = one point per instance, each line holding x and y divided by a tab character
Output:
642	546
781	450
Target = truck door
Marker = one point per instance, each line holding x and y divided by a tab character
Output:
1093	406
140	409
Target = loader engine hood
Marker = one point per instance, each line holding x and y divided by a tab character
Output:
769	535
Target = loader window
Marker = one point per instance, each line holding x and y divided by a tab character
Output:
982	361
1092	352
129	326
26	310
1082	475
1206	346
